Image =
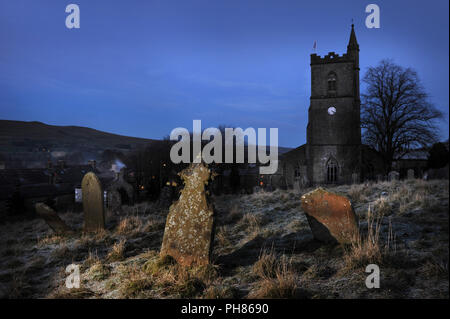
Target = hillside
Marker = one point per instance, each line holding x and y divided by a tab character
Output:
18	133
32	143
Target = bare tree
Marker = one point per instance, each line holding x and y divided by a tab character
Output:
396	115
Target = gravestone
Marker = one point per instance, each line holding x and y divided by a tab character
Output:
355	178
188	235
297	186
114	202
93	207
410	174
330	216
393	176
52	219
380	178
304	182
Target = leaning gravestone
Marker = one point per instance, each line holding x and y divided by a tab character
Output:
188	235
330	216
52	219
94	212
410	174
393	176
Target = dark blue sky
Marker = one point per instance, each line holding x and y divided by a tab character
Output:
142	68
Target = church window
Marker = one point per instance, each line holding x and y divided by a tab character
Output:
332	81
332	171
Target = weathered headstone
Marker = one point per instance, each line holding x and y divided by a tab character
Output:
330	216
188	235
304	182
380	178
355	178
52	219
114	201
93	207
410	174
393	176
297	186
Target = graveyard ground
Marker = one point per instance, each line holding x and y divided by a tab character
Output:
263	248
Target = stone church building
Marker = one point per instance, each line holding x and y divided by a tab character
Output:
333	152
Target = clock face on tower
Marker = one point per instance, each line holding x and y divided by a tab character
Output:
331	110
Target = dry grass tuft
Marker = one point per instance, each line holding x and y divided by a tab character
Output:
129	225
223	236
277	277
267	265
233	216
382	206
251	223
169	278
91	259
116	252
368	249
99	271
359	192
221	292
136	283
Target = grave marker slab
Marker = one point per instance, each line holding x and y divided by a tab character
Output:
330	216
52	219
188	235
93	207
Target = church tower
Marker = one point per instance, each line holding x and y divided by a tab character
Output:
333	147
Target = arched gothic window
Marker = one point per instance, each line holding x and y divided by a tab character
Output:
332	78
332	171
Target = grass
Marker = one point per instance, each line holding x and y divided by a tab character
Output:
436	268
124	261
116	252
74	293
221	292
129	225
162	276
277	277
368	249
267	265
359	192
99	271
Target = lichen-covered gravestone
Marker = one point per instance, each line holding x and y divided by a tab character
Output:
410	174
52	219
330	216
94	212
188	235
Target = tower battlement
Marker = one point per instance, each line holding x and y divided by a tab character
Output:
331	57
